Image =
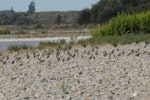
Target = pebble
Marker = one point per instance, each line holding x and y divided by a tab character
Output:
102	73
134	94
1	96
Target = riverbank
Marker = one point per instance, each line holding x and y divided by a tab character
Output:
44	33
34	42
92	73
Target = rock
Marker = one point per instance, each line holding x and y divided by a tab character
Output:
134	94
87	73
104	53
1	96
80	72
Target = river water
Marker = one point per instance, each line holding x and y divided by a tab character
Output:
34	42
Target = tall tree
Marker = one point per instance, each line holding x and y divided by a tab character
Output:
31	7
84	17
104	10
59	19
12	10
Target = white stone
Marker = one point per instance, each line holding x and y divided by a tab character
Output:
134	94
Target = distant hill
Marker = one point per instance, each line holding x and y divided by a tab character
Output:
22	18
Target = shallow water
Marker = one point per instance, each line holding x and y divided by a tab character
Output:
34	42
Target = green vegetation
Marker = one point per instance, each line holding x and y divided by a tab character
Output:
26	18
121	22
30	17
84	17
61	45
115	40
125	24
84	43
31	7
4	32
58	19
124	29
104	10
18	48
101	12
64	88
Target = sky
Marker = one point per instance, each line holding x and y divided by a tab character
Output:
47	5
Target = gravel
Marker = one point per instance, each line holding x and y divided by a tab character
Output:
91	73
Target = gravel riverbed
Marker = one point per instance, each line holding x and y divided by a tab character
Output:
93	73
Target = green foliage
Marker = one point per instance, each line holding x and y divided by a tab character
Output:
38	26
145	21
95	12
20	32
13	48
18	48
116	39
46	44
4	32
31	7
83	43
84	17
104	10
64	46
9	18
58	19
61	45
125	24
63	87
24	18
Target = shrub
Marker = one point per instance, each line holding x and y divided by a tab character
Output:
145	22
13	48
39	26
83	43
60	45
125	24
18	48
4	32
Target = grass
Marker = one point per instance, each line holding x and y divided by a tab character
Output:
115	40
5	32
123	29
62	45
63	87
125	24
18	48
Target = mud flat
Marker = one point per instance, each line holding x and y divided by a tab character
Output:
91	73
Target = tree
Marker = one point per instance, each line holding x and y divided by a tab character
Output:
104	10
84	17
58	19
95	12
12	10
31	7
